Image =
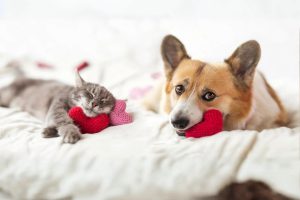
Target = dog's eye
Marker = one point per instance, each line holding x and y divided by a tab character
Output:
208	96
179	89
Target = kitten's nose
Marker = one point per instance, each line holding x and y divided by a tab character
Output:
180	123
94	104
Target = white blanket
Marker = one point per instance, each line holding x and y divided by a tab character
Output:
142	160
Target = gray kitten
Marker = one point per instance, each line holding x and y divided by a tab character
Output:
51	100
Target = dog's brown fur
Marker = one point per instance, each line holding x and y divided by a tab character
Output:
235	82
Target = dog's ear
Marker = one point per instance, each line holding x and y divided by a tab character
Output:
243	62
172	51
78	80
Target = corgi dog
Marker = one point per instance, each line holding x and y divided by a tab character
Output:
234	87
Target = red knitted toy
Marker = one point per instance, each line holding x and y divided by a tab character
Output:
117	116
211	124
88	124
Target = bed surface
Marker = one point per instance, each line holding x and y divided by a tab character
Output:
145	159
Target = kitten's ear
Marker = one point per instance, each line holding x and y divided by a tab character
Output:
244	61
79	80
172	51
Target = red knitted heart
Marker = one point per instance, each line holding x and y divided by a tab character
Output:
88	124
211	124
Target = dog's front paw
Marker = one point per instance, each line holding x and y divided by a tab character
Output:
70	134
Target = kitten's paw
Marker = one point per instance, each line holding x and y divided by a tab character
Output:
70	134
50	132
71	137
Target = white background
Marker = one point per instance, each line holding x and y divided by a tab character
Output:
214	9
211	30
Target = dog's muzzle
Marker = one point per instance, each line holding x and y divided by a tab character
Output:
180	133
180	123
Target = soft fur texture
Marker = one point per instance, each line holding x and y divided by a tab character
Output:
234	87
51	100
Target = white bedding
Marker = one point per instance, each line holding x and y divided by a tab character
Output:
145	159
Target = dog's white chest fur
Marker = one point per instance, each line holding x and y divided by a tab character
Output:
264	109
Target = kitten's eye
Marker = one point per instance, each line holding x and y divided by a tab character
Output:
89	95
208	96
103	101
179	89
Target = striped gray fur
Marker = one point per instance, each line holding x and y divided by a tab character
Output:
51	100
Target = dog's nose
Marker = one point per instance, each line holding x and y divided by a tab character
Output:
180	123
